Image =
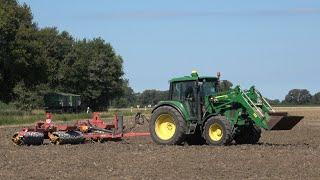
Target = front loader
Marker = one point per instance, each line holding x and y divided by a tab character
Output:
199	110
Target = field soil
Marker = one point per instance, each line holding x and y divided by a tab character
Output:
279	155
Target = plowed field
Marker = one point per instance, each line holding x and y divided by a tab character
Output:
279	155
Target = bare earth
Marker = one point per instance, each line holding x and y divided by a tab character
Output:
280	155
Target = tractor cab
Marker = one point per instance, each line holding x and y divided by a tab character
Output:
191	90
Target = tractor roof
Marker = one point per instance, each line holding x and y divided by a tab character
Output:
194	76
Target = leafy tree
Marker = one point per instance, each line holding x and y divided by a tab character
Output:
225	85
127	99
18	49
274	101
55	47
152	97
34	61
298	96
316	98
29	98
93	70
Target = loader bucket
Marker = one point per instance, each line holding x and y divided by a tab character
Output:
281	121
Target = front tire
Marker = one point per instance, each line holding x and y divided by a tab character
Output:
167	126
218	131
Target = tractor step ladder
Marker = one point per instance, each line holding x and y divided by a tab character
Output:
255	108
264	101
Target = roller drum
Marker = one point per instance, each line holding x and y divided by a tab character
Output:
70	137
29	138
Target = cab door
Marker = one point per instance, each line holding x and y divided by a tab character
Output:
186	93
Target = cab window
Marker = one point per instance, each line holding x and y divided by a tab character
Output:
182	90
208	88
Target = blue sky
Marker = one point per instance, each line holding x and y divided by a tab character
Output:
274	45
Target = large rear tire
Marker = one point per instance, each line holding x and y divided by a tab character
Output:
247	134
167	126
218	131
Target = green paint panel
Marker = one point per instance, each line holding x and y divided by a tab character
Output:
177	105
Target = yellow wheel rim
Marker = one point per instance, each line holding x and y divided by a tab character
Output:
215	132
165	127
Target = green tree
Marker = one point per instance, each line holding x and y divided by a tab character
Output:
23	62
316	98
18	51
93	70
298	96
225	85
29	98
55	47
34	61
127	99
152	97
274	101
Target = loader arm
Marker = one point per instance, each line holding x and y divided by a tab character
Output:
258	109
255	113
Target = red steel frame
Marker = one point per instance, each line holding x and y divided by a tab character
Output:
96	121
112	131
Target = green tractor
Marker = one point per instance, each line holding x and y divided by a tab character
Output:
199	111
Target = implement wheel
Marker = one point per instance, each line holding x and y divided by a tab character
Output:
167	126
247	134
217	131
29	138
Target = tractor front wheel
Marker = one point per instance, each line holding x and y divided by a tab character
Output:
217	131
167	126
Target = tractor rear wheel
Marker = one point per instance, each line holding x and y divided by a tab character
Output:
167	126
217	131
247	134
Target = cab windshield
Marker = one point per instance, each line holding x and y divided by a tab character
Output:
208	87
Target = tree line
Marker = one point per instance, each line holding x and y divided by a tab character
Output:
146	98
36	60
298	97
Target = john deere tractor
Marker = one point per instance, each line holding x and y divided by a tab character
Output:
199	110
